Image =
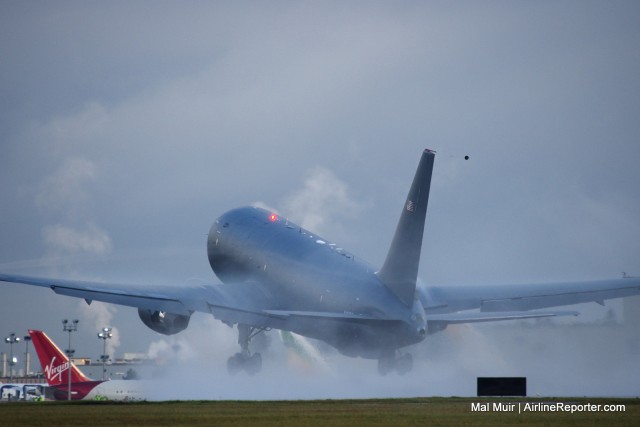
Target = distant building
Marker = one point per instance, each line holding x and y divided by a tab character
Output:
134	358
81	361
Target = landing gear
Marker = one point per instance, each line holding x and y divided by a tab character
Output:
392	362
245	360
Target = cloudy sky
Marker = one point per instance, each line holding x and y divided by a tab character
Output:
127	128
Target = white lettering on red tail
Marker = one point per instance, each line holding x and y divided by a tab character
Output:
54	373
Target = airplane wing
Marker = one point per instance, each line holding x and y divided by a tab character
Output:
522	298
195	296
439	321
247	302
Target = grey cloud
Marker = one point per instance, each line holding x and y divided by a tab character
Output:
101	316
65	239
323	198
65	190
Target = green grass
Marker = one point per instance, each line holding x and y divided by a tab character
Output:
325	413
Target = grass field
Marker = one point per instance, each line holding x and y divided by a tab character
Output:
325	413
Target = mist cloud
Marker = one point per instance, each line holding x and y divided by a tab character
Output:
65	191
324	198
65	239
101	315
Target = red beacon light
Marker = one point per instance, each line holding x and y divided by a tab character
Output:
273	217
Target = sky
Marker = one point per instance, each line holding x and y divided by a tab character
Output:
127	128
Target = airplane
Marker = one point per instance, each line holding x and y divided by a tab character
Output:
277	275
55	366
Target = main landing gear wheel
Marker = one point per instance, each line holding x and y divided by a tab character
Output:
391	362
245	360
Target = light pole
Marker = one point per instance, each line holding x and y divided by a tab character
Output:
11	339
104	335
68	326
27	338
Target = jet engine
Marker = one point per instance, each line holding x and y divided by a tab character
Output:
163	322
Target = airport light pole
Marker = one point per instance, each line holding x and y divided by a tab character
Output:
11	340
68	326
27	338
104	335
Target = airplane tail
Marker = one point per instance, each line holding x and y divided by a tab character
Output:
55	363
399	272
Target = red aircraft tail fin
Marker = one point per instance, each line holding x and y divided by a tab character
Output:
55	363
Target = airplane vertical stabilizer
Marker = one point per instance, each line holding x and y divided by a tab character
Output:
55	363
400	269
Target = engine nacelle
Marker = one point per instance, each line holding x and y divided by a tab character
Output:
162	322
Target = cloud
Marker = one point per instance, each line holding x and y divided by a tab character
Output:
90	240
66	195
323	199
65	191
101	314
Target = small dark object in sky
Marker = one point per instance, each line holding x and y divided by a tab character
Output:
466	157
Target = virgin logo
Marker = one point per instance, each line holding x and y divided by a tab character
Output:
54	373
